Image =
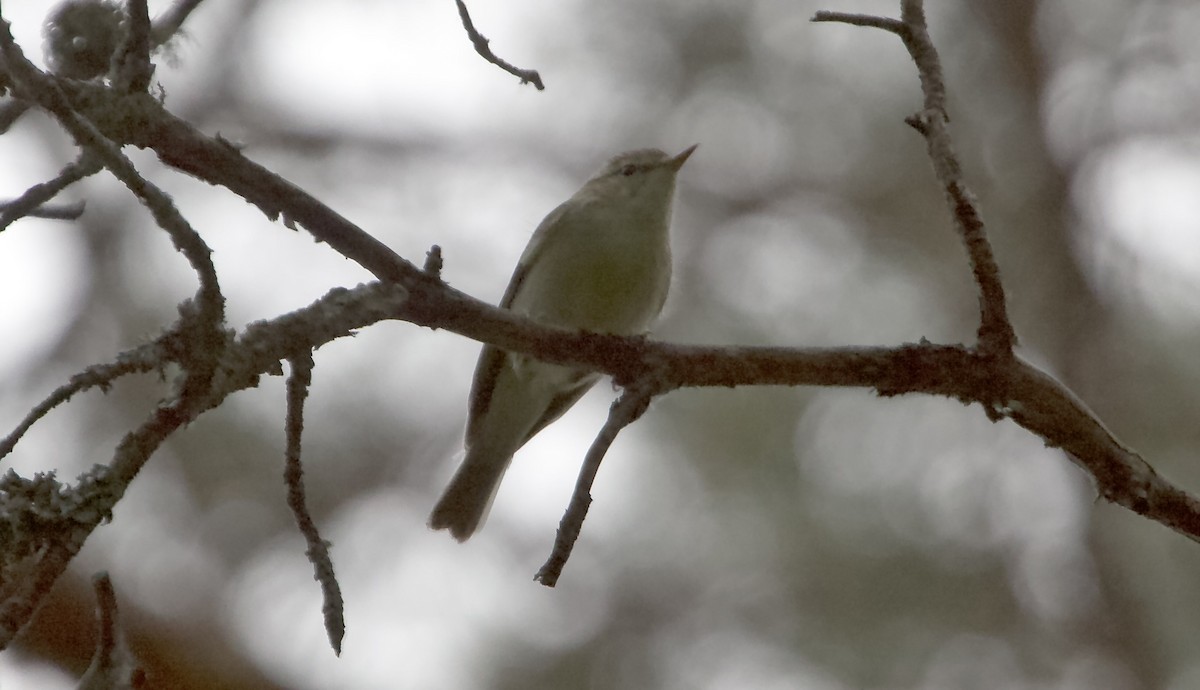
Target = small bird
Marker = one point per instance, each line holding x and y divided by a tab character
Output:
600	262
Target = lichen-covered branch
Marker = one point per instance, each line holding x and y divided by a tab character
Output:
102	119
333	609
996	335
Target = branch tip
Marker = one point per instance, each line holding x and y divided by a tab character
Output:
481	44
333	608
624	411
866	20
433	261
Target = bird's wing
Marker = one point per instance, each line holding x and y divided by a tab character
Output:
491	359
537	243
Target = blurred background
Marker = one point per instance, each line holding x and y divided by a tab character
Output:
749	538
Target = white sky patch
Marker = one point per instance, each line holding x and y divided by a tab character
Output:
385	66
38	263
19	672
1141	208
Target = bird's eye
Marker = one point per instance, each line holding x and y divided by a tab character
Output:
629	170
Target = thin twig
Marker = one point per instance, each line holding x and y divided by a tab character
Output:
167	24
106	487
1009	388
293	476
67	211
996	335
31	204
624	411
868	20
527	76
209	314
141	359
937	370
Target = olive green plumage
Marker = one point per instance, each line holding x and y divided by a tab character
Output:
601	262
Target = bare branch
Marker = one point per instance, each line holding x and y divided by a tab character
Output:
1008	388
996	335
868	20
625	410
31	204
209	315
69	211
72	513
170	22
98	493
527	76
431	303
293	476
1004	385
142	359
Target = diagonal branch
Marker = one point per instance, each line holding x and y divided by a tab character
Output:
298	385
142	359
625	410
867	20
527	76
208	315
31	203
171	22
1004	386
996	335
427	301
91	504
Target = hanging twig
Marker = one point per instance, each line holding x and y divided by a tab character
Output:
527	76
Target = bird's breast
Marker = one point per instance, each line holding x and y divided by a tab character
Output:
606	279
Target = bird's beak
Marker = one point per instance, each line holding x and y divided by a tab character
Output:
678	161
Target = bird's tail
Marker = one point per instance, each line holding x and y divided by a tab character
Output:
466	501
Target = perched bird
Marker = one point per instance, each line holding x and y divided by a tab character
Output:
601	262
